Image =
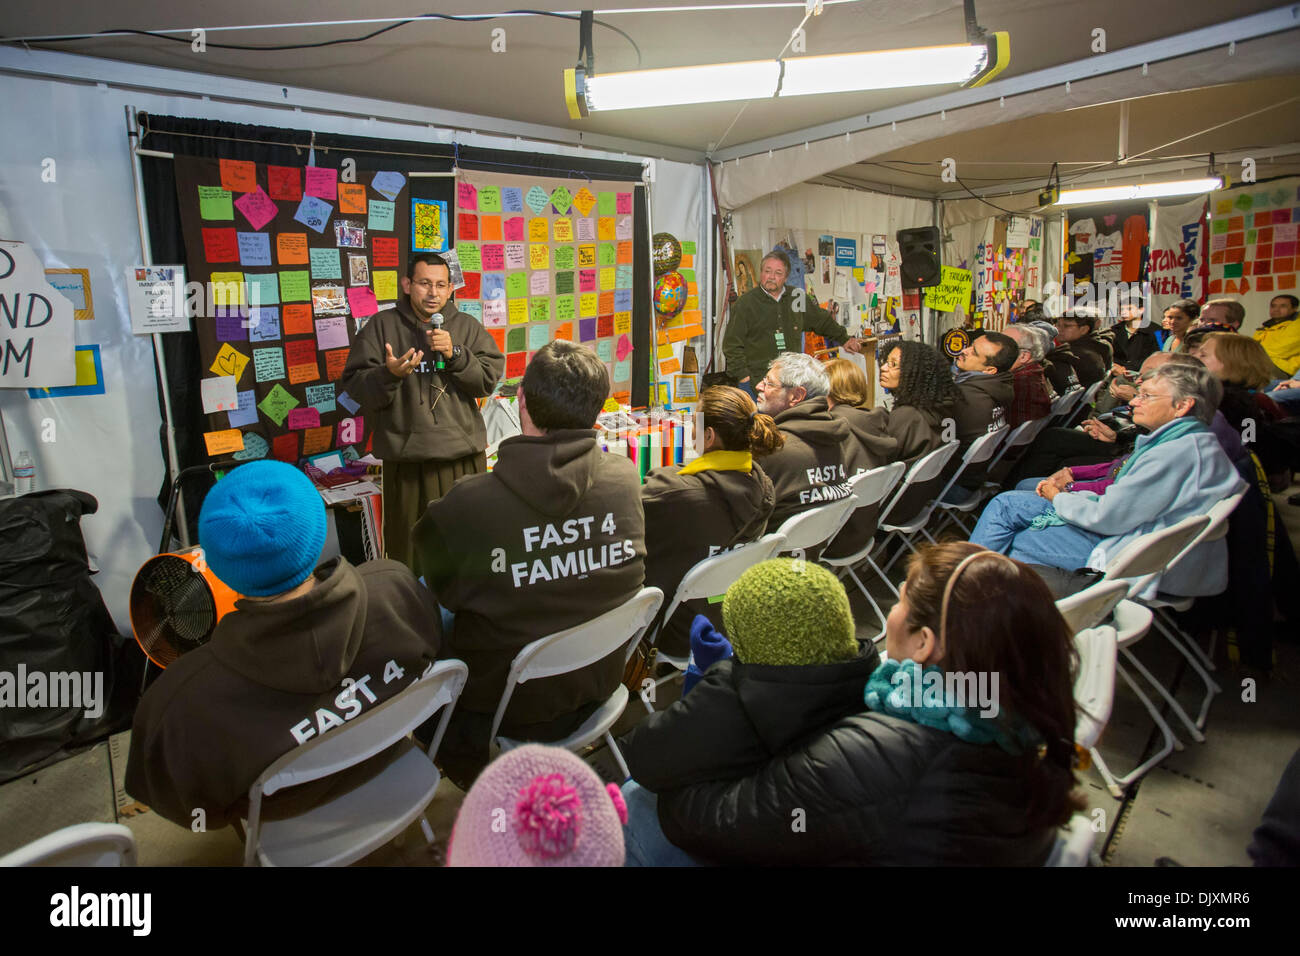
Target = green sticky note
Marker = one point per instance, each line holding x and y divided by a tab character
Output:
563	282
295	286
563	257
605	350
381	215
606	254
688	248
263	288
564	307
538	335
1232	270
622	371
325	264
517	285
1251	236
214	203
517	339
561	199
539	308
623	277
1244	202
277	403
607	204
1220	226
469	256
489	199
687	274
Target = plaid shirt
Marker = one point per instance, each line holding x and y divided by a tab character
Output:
1033	398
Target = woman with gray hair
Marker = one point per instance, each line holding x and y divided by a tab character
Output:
1178	469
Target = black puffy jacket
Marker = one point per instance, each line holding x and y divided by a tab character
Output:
744	775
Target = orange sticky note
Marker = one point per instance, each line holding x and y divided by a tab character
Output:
489	227
291	248
691	289
667	368
303	373
317	440
564	331
691	316
688	262
625	252
226	441
335	362
239	176
297	319
662	337
352	197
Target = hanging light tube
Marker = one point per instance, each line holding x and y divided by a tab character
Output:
1180	187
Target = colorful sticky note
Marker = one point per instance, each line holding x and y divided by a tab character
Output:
563	229
607	279
297	320
466	196
245	411
254	249
335	362
388	184
622	323
586	230
384	282
622	371
263	324
605	227
584	200
564	257
539	309
489	199
539	256
362	302
490	227
218	394
352	197
470	290
304	418
238	175
539	229
313	213
291	248
295	286
517	339
348	402
623	348
322	182
469	256
516	256
586	330
516	284
623	227
326	264
351	430
512	199
607	203
605	350
263	288
257	207
563	282
224	442
317	440
537	199
561	199
514	229
229	361
219	245
604	326
518	311
300	357
515	364
623	204
467	226
381	215
586	256
564	332
493	257
538	335
268	364
277	403
383	252
214	203
607	254
227	288
285	447
255	446
565	307
284	182
539	283
332	332
587	303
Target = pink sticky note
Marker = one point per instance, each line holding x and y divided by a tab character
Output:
624	204
351	430
623	348
586	280
304	418
362	302
258	208
332	333
322	182
514	229
466	196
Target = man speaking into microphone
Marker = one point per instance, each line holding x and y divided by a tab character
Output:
416	371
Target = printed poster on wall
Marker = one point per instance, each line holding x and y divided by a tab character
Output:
1177	253
295	260
546	259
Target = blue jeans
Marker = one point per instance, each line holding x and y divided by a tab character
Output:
644	841
1005	526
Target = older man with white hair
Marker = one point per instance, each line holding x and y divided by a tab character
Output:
1033	395
820	453
1176	470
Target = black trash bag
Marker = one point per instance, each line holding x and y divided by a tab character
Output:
53	622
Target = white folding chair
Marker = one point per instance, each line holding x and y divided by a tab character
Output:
815	527
1022	435
709	578
82	844
1136	564
870	488
573	649
347	827
927	470
980	451
1074	844
1064	404
1162	604
1088	397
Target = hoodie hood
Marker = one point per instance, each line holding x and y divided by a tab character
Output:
810	421
748	498
550	473
881	448
303	646
999	387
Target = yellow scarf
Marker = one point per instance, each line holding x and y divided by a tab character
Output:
720	461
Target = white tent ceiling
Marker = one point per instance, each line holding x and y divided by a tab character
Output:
450	66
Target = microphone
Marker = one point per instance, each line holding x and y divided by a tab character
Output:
439	362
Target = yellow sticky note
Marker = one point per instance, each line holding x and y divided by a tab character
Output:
665	351
517	310
224	442
229	361
385	284
860	274
611	404
1223	208
586	256
537	229
622	323
669	367
563	230
588	303
605	227
692	302
227	288
539	257
606	279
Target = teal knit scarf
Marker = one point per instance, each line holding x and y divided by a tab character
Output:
899	688
1170	432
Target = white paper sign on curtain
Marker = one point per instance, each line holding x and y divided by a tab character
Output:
37	347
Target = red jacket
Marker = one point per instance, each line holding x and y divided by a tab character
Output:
1033	396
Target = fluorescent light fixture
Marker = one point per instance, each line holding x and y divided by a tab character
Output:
801	76
1180	187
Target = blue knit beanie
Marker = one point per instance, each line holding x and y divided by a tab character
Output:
262	528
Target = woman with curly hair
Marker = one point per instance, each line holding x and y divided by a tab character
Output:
920	382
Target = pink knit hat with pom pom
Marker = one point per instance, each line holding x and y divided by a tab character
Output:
539	806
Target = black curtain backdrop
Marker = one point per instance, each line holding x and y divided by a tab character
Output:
290	147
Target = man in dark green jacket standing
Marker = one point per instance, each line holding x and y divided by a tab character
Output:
427	425
771	318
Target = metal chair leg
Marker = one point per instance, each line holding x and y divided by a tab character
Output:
1164	692
1211	686
618	755
1117	785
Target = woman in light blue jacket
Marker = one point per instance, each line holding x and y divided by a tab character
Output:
1178	470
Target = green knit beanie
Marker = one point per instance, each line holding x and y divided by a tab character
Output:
787	611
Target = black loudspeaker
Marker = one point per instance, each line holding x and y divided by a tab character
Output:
921	257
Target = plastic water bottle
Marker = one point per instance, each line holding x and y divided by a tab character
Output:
24	474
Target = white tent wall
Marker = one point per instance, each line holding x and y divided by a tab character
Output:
825	208
108	445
